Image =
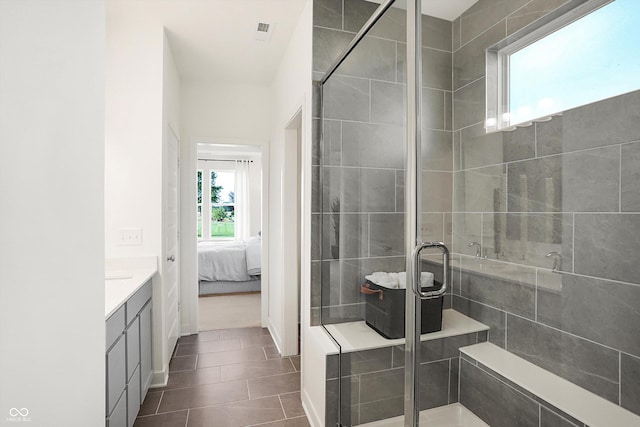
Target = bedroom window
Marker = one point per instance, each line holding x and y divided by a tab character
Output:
216	206
583	55
223	204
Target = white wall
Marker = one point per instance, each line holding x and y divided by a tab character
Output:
142	98
51	211
291	91
226	111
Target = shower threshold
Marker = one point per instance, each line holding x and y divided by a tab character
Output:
454	415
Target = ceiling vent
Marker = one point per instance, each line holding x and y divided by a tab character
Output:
263	31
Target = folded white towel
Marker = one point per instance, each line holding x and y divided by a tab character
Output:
426	279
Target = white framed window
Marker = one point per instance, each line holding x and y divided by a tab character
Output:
216	203
583	52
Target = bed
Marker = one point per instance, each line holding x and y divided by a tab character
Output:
227	267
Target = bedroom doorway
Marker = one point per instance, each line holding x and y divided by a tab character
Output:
229	221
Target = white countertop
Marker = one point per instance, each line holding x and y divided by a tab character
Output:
356	336
123	277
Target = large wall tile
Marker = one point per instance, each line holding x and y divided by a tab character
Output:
388	103
549	418
591	180
436	67
433	109
372	58
373	146
469	60
332	143
346	98
436	33
475	189
602	311
532	11
493	401
485	14
483	149
582	362
610	121
468	104
630	387
467	228
386	408
360	190
434	384
327	13
630	191
493	318
455	34
327	46
528	238
330	290
382	385
386	235
437	150
349	405
436	350
392	25
437	190
366	361
516	295
345	235
535	185
607	246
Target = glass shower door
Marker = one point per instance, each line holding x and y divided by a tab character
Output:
367	223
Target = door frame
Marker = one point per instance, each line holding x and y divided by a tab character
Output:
189	240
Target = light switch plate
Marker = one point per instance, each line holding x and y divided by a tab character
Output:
130	236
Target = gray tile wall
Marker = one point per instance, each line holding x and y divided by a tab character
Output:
373	380
501	403
358	220
569	185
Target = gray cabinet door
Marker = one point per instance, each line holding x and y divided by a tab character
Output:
146	367
133	396
118	417
116	373
133	347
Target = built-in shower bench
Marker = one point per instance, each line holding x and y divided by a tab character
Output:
576	405
370	368
357	336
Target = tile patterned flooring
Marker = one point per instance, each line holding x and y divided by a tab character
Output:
227	378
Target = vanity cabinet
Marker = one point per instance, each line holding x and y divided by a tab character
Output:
128	358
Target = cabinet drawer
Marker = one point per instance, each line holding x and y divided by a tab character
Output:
133	398
138	300
118	417
116	373
133	347
115	326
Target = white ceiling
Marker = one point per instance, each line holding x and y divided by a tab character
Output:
214	39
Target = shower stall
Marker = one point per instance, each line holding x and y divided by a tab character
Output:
518	237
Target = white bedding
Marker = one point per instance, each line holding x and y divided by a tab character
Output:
230	261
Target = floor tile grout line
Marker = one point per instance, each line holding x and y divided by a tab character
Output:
282	407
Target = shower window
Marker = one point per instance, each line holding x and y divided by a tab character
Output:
585	55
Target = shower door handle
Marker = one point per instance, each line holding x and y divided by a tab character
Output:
416	267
